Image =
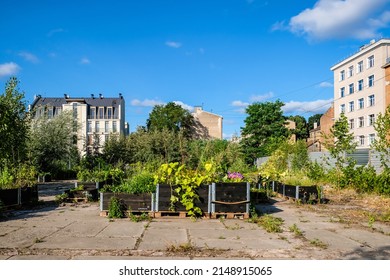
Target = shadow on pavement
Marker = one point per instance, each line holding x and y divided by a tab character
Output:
381	253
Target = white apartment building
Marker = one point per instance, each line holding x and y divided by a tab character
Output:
359	89
97	117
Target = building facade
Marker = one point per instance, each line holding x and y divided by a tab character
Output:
97	117
360	89
316	140
209	125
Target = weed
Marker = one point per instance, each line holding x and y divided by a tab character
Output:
38	240
221	237
371	221
139	218
294	228
318	243
116	208
61	198
181	248
270	223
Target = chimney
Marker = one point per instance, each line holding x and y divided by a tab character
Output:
92	96
66	96
120	96
100	95
315	125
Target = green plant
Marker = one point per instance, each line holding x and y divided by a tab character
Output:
116	208
181	248
318	243
270	223
6	178
294	228
60	198
139	218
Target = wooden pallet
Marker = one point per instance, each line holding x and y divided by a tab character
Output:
104	213
229	215
170	214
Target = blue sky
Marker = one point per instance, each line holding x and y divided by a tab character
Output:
221	54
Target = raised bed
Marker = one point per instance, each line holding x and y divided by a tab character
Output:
163	199
303	193
89	191
19	196
131	202
230	198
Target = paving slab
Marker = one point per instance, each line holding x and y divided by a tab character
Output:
162	238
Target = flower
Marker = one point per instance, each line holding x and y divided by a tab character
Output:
235	176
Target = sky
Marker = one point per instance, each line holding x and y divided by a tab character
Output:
219	54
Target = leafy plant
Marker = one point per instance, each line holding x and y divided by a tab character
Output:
271	223
294	228
139	218
60	198
116	208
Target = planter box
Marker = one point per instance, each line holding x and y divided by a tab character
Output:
258	197
230	197
305	194
163	199
132	202
19	196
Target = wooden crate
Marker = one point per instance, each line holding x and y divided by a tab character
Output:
230	197
132	202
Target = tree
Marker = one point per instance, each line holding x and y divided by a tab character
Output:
14	125
301	127
340	142
382	143
172	117
313	119
264	126
52	144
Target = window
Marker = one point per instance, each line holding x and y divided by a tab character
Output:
351	106
371	81
351	88
101	112
370	62
361	103
361	140
106	123
351	124
92	113
342	108
361	121
360	85
74	105
109	113
97	126
371	119
371	138
342	92
371	100
350	71
50	112
360	67
89	126
342	75
58	111
114	128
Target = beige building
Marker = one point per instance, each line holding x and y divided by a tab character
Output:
97	117
360	89
209	125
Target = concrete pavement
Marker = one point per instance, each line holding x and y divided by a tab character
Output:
76	231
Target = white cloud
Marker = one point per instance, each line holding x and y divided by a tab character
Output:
9	69
184	106
317	106
262	97
54	31
325	85
359	19
173	44
85	60
145	103
29	57
239	103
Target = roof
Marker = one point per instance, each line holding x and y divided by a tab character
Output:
58	102
362	50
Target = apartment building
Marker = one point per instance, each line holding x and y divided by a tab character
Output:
97	117
360	89
316	140
209	125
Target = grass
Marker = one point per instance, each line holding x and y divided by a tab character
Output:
181	248
139	218
318	243
270	223
294	228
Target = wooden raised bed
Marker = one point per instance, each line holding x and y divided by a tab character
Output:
19	196
230	198
131	202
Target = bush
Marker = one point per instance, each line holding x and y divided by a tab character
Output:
116	209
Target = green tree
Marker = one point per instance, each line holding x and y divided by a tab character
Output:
301	127
14	125
265	121
340	142
313	119
382	143
52	144
172	117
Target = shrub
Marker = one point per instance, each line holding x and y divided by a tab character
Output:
116	208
